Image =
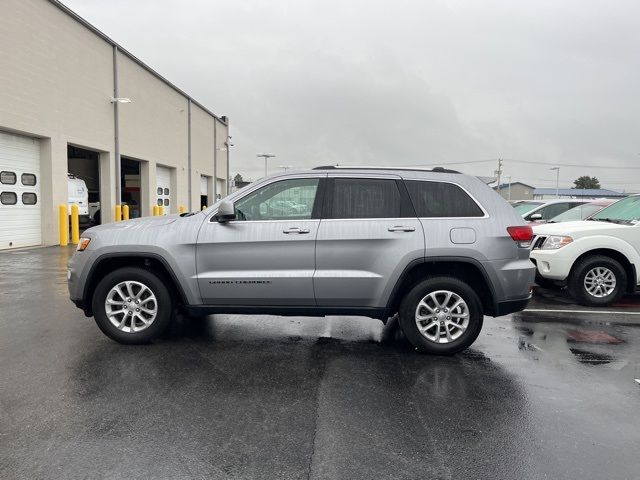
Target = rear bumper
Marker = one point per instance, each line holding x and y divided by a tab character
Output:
512	306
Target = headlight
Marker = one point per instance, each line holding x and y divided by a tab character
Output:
553	242
83	244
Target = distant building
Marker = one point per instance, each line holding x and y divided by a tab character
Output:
586	193
515	191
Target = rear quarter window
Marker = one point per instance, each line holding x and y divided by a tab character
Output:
440	199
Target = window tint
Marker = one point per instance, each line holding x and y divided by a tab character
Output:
439	199
28	179
365	198
8	198
284	200
29	198
8	178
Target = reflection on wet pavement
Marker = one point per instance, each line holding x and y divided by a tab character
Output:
235	396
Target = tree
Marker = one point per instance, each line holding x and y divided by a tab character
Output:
586	181
237	179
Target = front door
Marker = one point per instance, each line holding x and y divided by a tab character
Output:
267	255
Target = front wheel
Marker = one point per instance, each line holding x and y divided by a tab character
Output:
597	281
442	316
132	305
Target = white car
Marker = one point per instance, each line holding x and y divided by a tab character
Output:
544	210
599	258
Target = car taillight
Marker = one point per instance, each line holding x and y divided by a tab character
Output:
523	234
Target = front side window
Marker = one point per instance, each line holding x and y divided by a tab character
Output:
284	200
554	209
365	198
439	199
8	178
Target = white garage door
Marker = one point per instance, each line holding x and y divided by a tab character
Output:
163	182
220	193
19	191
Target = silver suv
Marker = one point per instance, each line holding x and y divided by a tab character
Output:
437	247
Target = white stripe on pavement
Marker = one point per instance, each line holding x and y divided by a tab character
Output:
609	312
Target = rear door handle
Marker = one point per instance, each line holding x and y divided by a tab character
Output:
400	228
296	230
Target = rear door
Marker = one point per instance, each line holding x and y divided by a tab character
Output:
367	235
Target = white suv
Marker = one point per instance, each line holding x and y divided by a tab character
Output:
598	258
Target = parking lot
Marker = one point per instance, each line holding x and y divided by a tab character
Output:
546	393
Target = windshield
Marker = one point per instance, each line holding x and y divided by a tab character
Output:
625	210
577	213
525	207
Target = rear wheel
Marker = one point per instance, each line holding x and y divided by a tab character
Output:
132	305
442	315
597	281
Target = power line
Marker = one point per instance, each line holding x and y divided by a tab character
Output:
531	162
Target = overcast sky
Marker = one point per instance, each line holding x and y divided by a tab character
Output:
404	83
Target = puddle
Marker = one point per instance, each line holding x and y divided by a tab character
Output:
591	358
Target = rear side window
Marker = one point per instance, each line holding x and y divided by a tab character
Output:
439	199
365	198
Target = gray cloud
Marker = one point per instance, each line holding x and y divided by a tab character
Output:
411	82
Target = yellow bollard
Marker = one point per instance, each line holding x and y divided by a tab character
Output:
75	224
64	224
155	210
125	212
161	210
118	214
181	209
204	207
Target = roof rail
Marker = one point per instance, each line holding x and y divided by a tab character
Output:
360	167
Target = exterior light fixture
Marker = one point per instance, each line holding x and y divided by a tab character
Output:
120	100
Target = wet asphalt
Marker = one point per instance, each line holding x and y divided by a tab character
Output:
539	395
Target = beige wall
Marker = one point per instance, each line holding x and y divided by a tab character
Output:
222	173
202	152
56	82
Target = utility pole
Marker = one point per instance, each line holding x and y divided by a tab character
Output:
498	172
557	169
266	156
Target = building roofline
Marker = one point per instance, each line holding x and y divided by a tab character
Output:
131	56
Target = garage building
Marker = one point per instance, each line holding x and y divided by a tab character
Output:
73	101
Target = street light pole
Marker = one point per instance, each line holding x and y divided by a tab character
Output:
266	156
557	169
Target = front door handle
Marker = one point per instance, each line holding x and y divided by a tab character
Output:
296	230
400	228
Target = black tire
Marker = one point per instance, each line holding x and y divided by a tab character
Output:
580	270
409	305
154	283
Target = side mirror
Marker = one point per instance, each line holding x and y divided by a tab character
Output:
226	212
535	216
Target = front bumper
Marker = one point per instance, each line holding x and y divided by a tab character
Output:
552	264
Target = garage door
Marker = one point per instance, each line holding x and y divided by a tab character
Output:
163	182
19	191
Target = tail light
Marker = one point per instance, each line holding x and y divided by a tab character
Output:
522	234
